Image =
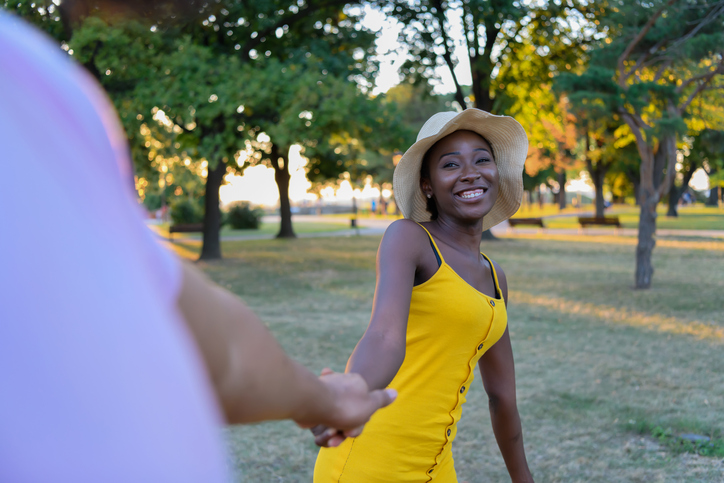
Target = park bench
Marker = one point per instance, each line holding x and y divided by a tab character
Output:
526	221
184	228
585	221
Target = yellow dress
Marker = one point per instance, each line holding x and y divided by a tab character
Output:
449	328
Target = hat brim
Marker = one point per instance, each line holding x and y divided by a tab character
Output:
510	148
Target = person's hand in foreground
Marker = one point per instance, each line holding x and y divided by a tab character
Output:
329	435
254	379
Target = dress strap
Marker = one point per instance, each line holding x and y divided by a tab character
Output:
435	249
498	293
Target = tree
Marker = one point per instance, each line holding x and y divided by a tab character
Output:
659	57
207	74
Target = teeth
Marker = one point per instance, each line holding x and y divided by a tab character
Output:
471	194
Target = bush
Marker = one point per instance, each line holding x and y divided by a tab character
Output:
241	216
186	211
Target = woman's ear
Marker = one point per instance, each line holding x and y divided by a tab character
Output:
426	187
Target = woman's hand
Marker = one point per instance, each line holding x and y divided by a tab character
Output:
354	402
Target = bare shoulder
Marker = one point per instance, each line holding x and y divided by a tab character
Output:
406	232
404	238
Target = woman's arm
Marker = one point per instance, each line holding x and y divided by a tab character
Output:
498	373
381	351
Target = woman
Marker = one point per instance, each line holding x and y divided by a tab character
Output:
439	308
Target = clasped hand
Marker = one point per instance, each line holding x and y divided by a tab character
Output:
354	404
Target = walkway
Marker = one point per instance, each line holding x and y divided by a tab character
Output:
377	226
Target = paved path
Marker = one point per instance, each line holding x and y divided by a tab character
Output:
377	226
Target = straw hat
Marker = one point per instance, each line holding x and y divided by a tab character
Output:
510	148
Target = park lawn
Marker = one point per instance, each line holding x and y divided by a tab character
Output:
690	218
533	210
264	229
598	364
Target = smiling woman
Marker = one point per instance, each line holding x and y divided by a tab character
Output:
439	308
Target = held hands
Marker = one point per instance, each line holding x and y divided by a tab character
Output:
353	405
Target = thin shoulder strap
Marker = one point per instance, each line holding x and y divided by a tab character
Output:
435	249
498	293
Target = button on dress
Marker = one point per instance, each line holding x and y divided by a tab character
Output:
450	326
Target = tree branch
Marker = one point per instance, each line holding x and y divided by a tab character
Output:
662	69
288	20
447	56
623	75
704	82
715	12
706	75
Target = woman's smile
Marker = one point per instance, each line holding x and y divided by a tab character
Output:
471	193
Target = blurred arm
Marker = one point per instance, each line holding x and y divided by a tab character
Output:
253	378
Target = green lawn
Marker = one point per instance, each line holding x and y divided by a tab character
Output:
604	372
264	229
690	218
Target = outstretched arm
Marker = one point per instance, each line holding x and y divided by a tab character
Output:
253	378
381	350
498	373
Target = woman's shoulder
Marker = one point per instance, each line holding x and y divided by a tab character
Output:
405	235
406	230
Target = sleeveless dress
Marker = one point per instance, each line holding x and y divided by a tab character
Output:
450	326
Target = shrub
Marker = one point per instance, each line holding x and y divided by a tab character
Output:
186	211
242	216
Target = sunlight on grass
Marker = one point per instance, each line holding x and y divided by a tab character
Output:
619	240
696	217
187	250
620	315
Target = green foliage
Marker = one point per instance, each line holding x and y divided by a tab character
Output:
44	14
187	211
241	216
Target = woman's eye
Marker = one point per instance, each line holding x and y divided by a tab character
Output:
449	165
483	160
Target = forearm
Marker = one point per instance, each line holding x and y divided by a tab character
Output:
377	358
509	436
253	378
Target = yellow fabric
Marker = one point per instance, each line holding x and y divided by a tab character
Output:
449	328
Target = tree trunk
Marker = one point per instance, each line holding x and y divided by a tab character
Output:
674	195
713	196
562	189
659	165
211	245
646	240
598	175
280	162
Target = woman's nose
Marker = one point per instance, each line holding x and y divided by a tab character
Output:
470	173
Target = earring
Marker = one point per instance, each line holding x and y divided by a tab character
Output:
429	196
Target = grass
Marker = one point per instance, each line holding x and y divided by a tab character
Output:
269	229
599	365
690	218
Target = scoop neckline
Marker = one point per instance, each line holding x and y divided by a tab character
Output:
445	264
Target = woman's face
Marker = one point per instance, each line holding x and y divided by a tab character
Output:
463	176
